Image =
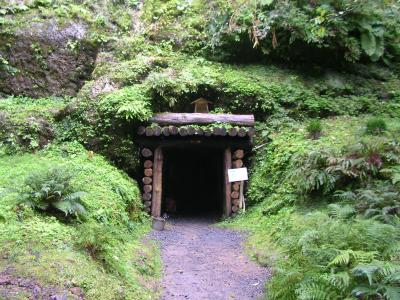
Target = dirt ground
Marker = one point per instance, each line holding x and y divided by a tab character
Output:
202	261
13	287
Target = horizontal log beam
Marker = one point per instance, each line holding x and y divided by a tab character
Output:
199	118
196	141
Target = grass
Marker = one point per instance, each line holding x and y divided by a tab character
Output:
39	246
20	108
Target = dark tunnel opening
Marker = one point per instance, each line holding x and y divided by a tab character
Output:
193	182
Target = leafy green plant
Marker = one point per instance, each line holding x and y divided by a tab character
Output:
314	129
100	241
51	191
299	30
130	103
375	126
311	172
381	202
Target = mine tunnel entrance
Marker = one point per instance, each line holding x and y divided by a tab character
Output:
193	182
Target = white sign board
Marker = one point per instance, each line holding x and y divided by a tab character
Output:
238	174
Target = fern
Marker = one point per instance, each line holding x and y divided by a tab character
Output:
347	257
314	290
340	280
341	212
51	191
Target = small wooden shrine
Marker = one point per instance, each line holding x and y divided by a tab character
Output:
208	145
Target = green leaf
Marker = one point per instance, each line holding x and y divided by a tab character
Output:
368	43
266	2
366	270
392	292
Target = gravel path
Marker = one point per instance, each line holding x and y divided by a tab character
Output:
202	261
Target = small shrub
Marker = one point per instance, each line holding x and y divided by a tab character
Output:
51	191
314	129
376	126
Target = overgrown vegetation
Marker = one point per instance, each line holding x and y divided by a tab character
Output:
321	78
102	252
50	190
328	219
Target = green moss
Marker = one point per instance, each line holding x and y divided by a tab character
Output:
47	245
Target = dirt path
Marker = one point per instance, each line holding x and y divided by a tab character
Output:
205	262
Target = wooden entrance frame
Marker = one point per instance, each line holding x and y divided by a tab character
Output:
182	130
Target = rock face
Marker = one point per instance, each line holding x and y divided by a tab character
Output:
46	58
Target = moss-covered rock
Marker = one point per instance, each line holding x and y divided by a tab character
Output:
47	58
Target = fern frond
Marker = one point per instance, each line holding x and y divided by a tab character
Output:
314	291
340	280
340	212
392	292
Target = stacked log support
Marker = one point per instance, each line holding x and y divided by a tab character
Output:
147	179
233	131
165	131
183	131
242	132
188	130
191	130
157	131
149	131
173	130
237	162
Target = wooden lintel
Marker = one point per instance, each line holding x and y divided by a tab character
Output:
200	141
201	118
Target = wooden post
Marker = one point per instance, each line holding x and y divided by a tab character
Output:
157	182
227	185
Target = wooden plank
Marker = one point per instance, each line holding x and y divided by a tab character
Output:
227	184
157	182
200	118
